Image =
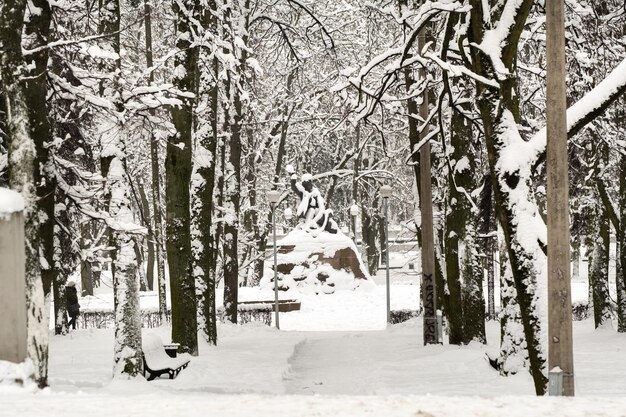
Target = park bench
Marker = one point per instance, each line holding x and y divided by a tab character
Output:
284	306
260	310
157	362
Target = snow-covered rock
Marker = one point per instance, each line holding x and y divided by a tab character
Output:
316	262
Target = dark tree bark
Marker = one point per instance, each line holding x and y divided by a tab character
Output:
620	276
456	223
37	32
178	166
155	164
145	210
599	272
236	25
369	227
206	130
22	171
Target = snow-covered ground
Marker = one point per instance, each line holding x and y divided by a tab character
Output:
334	357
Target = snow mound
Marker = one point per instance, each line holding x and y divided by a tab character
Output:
17	376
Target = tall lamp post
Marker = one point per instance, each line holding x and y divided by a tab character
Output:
273	196
354	211
385	193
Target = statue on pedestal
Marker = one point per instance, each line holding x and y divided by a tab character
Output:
311	208
316	256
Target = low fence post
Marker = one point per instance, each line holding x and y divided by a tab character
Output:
13	332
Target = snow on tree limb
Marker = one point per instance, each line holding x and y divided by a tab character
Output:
590	106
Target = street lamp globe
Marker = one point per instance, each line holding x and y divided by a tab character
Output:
273	196
354	210
386	191
288	214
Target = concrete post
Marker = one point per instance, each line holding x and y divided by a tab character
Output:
13	334
560	339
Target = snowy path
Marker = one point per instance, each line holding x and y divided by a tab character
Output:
393	362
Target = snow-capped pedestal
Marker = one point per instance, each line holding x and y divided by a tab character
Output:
13	331
10	202
316	262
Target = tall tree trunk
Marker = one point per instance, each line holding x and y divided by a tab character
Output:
620	276
254	257
456	223
599	277
87	261
513	353
603	214
127	356
515	204
74	152
66	256
178	167
150	263
37	31
491	305
145	209
141	276
473	297
575	261
369	226
4	179
236	24
155	164
203	183
23	169
231	207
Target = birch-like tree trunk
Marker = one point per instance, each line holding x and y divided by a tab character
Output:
127	356
22	154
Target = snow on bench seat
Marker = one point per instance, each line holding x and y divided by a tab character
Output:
157	362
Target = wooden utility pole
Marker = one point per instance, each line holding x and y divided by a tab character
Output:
426	208
559	283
